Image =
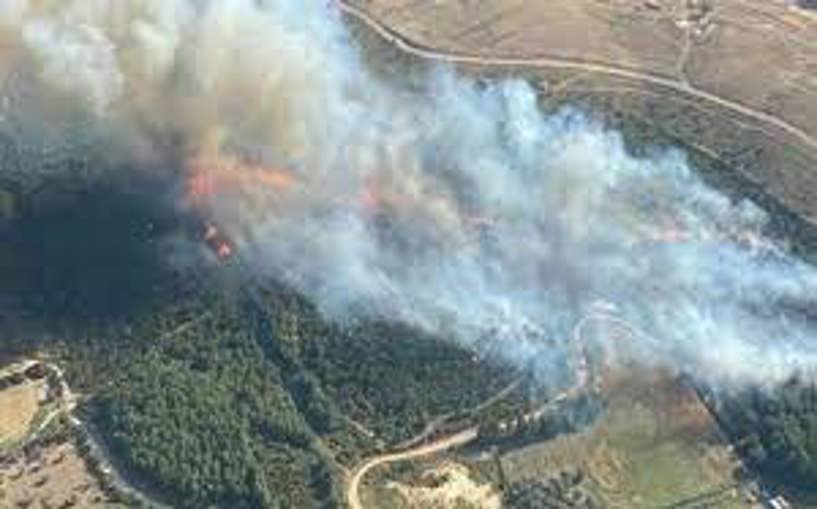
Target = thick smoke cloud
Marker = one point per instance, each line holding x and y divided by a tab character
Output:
462	209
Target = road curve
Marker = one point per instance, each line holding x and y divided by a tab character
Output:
468	435
67	406
438	421
353	491
406	45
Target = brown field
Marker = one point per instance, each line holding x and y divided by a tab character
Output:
760	52
52	477
760	55
655	446
18	406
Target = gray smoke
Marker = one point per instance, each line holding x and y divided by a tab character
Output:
463	210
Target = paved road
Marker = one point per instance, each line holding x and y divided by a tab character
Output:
410	47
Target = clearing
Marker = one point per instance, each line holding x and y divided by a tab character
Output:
52	476
18	407
656	445
449	485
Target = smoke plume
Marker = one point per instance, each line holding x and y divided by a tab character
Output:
461	209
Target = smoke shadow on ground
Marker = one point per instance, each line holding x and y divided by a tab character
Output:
85	253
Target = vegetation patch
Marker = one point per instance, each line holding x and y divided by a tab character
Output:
776	431
248	397
395	380
206	418
655	445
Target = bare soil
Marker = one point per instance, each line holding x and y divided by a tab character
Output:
18	406
447	486
52	477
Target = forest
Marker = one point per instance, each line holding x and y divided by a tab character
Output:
200	414
245	399
776	431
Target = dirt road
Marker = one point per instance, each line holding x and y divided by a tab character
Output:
407	46
67	404
353	491
435	423
468	435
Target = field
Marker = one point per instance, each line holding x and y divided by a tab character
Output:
40	462
55	476
18	407
655	446
718	46
731	79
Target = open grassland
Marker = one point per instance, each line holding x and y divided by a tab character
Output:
655	446
18	407
719	46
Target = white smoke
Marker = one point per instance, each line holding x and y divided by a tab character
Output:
462	209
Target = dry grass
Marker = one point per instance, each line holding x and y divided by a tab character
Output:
729	43
18	406
655	446
56	476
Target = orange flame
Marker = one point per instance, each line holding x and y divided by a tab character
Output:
211	176
217	242
212	172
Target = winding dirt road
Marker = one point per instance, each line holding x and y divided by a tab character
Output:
438	421
67	405
404	44
583	379
353	491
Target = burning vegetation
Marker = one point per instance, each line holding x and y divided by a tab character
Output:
462	215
